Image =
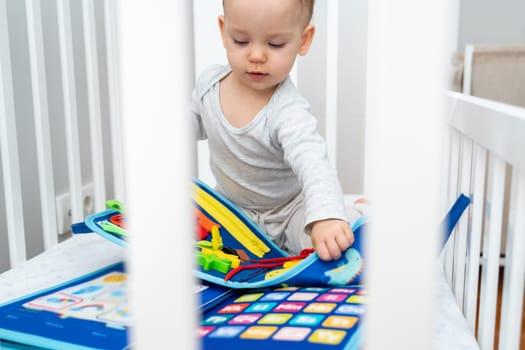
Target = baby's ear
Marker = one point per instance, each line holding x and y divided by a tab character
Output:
221	28
306	39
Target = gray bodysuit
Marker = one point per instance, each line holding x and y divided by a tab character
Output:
275	168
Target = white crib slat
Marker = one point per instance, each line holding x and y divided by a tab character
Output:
9	149
157	79
397	169
462	228
115	117
41	116
70	108
332	36
467	69
491	255
445	169
455	148
514	278
95	115
445	161
474	236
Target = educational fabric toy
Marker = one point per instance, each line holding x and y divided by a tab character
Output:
282	301
252	294
230	250
90	312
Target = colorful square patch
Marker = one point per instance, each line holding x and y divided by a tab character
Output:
292	333
259	332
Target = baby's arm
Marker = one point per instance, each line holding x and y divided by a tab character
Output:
330	237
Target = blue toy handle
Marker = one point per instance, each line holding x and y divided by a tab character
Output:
80	228
452	217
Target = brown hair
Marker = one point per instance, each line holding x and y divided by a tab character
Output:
308	4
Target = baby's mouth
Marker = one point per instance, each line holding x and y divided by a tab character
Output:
257	75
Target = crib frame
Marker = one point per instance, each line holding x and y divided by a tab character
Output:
485	141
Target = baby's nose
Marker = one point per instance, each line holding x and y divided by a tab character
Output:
257	54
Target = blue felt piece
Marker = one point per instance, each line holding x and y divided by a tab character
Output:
453	216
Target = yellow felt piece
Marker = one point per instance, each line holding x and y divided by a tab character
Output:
230	222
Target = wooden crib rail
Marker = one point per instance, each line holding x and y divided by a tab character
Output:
487	140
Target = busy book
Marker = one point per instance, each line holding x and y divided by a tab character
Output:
251	294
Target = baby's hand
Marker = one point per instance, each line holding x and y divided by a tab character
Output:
331	237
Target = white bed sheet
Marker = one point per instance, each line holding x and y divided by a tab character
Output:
72	258
451	330
83	254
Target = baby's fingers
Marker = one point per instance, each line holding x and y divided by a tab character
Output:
343	241
350	235
322	251
334	249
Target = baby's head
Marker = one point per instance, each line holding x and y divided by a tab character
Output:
262	38
305	9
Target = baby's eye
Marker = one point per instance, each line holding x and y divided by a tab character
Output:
276	45
240	42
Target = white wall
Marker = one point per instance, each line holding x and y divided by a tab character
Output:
491	22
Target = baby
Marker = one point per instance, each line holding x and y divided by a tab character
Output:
265	151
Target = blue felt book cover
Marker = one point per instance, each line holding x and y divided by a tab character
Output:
90	312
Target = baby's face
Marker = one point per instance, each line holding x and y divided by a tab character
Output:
262	38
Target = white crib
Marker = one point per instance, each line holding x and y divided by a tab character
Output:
484	143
